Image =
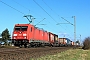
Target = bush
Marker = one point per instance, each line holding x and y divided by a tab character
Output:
86	43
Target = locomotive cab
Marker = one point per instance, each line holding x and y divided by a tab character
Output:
20	32
19	36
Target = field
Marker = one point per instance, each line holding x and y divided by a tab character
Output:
44	53
28	53
72	54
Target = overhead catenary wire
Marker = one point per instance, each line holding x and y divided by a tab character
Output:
39	22
12	7
51	8
45	11
21	5
66	20
26	8
46	4
53	11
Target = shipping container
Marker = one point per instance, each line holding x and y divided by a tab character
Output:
62	40
65	42
51	37
73	43
55	37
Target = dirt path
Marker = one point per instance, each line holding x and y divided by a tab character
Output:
27	53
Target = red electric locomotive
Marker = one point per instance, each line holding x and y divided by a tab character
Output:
28	35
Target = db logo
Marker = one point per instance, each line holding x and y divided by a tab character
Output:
20	34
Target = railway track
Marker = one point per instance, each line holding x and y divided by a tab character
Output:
28	53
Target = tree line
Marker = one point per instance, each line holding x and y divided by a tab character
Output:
5	36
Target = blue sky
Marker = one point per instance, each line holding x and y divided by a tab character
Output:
53	11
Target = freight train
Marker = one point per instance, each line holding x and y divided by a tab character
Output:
28	35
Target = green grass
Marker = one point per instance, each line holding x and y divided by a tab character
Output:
72	54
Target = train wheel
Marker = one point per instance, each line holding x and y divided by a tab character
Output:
21	46
28	45
25	46
42	45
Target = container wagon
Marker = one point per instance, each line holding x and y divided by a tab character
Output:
64	42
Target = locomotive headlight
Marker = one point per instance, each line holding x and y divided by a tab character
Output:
24	37
14	37
24	34
14	34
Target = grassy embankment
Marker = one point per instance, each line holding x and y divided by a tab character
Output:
72	54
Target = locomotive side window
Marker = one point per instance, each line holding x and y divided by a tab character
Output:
21	28
31	29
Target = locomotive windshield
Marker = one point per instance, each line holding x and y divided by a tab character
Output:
21	28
